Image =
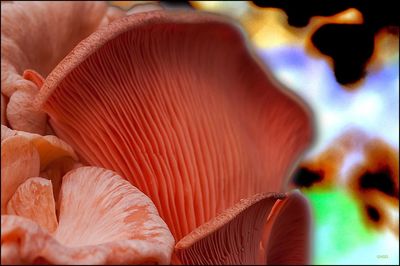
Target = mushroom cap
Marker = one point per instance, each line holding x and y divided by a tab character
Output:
34	200
19	161
35	36
28	155
287	234
103	220
265	229
178	104
50	147
4	103
55	172
7	132
21	115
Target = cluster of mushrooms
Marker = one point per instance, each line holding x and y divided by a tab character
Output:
144	137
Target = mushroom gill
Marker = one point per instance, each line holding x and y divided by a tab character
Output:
35	36
103	220
267	228
177	103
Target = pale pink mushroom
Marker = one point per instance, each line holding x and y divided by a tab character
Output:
50	147
268	228
112	223
34	200
19	161
177	103
3	109
25	155
35	36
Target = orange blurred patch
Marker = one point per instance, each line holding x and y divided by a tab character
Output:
349	16
375	184
373	181
386	46
324	170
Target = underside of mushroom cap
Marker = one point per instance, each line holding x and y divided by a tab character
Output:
176	103
103	220
242	234
287	234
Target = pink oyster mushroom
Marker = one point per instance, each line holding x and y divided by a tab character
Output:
178	105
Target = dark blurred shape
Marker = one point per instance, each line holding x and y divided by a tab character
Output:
381	180
373	180
379	171
175	4
300	12
349	45
372	213
305	177
375	183
324	169
376	13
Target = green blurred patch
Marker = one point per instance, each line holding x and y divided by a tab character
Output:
338	225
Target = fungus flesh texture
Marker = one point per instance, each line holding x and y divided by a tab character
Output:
267	228
177	104
113	223
25	155
35	37
34	200
50	147
3	110
19	161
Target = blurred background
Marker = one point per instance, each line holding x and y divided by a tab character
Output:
342	57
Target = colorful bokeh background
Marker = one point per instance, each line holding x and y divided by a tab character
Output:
352	167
